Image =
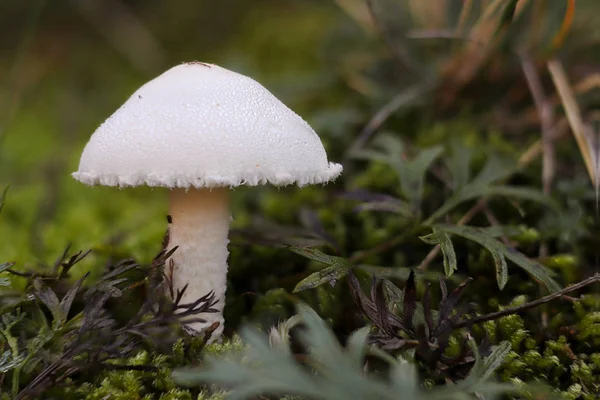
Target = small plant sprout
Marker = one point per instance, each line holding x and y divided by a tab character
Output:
198	130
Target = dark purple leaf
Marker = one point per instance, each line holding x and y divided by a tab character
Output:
410	302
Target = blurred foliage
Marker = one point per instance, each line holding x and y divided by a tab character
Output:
451	119
268	367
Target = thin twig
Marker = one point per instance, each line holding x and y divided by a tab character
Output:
115	367
514	310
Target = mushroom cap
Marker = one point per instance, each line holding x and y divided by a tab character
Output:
200	125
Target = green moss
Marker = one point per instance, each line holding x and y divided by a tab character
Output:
146	385
574	375
228	346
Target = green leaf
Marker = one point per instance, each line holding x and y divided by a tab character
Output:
49	299
538	271
495	169
450	264
404	378
393	293
67	301
338	268
523	193
328	275
259	369
8	362
471	192
386	148
9	321
431	238
264	370
443	239
412	174
357	346
485	185
391	145
495	359
500	265
334	373
318	337
316	255
458	163
483	369
390	150
497	231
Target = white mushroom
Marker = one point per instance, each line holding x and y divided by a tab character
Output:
199	129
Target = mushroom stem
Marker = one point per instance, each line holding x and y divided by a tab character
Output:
199	227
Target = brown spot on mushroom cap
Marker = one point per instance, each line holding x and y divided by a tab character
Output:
199	63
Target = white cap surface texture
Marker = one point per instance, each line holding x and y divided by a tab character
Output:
200	125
